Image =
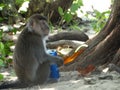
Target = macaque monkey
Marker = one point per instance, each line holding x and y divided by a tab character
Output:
31	61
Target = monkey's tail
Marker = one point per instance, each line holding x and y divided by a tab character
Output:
12	85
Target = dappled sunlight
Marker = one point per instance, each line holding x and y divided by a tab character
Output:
75	81
24	6
6	27
16	36
18	25
7	75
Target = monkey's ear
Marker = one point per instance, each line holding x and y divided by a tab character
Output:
30	26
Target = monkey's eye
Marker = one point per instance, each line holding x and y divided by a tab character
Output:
44	25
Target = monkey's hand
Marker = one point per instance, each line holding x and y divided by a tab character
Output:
54	59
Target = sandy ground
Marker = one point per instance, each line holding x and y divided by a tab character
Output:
71	81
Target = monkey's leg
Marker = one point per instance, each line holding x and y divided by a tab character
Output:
43	73
30	72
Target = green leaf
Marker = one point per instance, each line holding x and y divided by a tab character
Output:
9	61
1	46
1	62
60	10
80	2
14	30
1	77
75	27
74	7
68	17
1	19
2	5
19	2
1	33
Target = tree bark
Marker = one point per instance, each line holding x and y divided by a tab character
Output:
103	48
116	59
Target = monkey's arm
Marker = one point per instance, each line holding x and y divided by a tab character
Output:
54	59
48	58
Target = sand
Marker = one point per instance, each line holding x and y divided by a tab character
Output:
72	81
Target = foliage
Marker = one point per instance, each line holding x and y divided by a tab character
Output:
4	50
9	10
2	5
1	77
99	20
20	2
75	26
68	15
6	8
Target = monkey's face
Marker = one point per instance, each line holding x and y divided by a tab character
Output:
44	27
40	27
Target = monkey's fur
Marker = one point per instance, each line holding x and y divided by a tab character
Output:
31	61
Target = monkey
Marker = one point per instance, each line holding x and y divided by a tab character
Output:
31	60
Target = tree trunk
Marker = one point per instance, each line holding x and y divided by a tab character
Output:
49	9
103	48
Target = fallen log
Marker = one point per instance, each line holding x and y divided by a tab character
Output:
72	35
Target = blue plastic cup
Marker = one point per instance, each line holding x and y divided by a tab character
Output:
53	67
54	71
52	52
